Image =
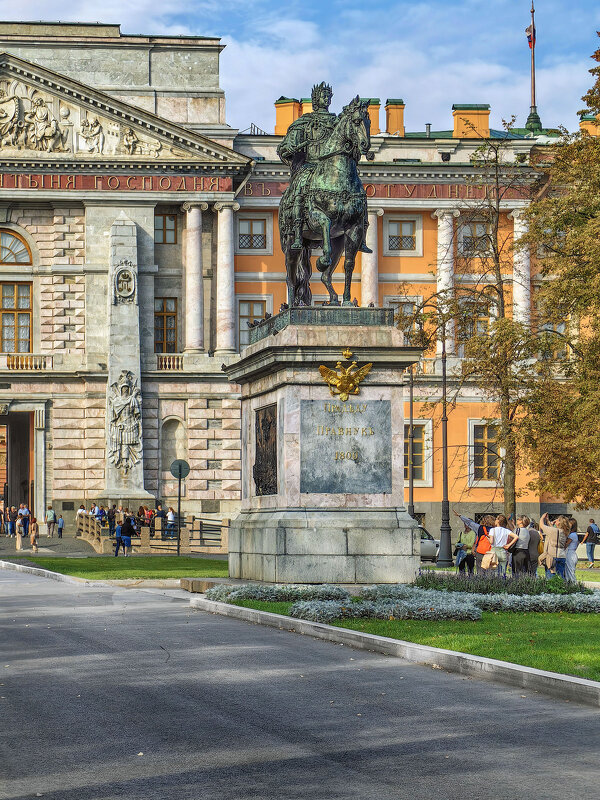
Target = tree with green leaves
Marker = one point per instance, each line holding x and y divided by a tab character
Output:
561	431
496	352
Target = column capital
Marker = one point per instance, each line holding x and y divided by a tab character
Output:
445	212
373	210
222	205
187	206
516	214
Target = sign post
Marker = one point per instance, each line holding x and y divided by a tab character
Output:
180	469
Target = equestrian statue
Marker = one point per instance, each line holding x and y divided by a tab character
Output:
325	205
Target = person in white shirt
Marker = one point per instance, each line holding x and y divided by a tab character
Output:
502	538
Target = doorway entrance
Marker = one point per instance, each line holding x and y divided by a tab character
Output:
17	459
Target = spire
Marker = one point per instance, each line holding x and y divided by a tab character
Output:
534	123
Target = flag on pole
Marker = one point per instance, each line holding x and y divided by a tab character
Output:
530	31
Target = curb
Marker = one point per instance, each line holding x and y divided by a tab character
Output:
43	573
563	687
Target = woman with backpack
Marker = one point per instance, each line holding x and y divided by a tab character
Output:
482	542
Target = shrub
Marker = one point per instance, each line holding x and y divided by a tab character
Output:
497	584
445	607
227	593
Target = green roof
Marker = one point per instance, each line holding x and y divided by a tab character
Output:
283	99
372	100
589	117
394	101
470	107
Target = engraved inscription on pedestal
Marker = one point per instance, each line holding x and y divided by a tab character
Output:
346	447
265	461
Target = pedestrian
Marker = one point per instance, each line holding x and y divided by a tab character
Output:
571	550
590	540
554	556
482	542
127	531
171	521
465	558
61	526
111	515
25	517
34	534
502	539
13	516
81	510
520	556
118	539
536	548
51	521
19	533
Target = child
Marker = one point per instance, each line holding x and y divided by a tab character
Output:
61	525
119	540
34	534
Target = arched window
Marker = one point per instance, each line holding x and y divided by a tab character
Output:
13	250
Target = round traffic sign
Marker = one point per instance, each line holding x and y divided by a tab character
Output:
180	468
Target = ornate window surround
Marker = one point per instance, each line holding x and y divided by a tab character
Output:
418	220
267	217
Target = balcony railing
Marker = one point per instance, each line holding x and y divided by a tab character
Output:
169	362
27	362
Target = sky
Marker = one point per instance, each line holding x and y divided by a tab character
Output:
431	54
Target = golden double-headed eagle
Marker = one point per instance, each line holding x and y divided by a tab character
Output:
347	381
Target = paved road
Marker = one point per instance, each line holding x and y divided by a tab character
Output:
127	694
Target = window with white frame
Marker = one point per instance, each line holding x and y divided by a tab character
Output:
485	460
254	234
476	321
474	239
404	306
402	235
422	450
250	310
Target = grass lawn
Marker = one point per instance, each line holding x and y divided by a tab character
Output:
565	643
111	568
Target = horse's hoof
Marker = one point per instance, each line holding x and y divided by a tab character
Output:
347	303
323	263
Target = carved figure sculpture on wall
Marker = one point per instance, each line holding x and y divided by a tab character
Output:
125	411
43	131
130	141
93	135
10	112
325	204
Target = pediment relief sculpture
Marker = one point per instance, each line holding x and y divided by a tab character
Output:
33	120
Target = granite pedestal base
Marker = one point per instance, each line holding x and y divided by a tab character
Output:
322	476
324	546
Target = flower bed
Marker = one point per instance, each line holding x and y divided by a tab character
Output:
226	593
496	584
399	601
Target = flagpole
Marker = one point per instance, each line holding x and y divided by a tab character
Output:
533	57
534	123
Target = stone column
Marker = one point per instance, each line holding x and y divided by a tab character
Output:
226	316
445	265
369	266
521	273
194	280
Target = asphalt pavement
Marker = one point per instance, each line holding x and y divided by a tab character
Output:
109	693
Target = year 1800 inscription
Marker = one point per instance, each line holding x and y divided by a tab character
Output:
345	447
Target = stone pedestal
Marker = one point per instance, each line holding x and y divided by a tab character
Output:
322	477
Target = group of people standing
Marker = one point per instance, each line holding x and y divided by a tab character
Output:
123	523
18	523
493	544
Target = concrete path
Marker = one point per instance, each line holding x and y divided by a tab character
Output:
129	694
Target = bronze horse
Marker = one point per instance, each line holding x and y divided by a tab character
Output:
334	203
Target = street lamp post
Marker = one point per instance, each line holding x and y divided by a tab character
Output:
411	437
445	553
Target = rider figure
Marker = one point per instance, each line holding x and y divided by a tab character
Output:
301	148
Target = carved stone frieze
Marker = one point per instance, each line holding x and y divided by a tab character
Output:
33	120
125	288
